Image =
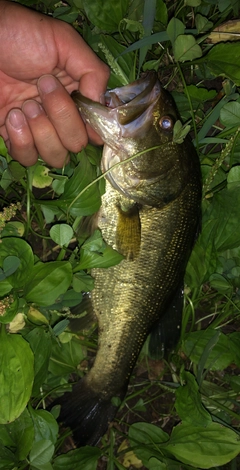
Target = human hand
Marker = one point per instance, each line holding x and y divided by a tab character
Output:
42	60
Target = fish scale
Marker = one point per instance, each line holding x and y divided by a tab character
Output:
150	212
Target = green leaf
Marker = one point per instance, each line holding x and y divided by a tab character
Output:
18	435
18	171
48	281
188	402
82	282
41	344
40	178
10	265
218	358
202	23
94	242
45	426
106	15
221	60
84	458
61	234
192	3
145	438
3	148
109	257
13	229
41	452
234	175
161	12
8	460
16	375
66	357
230	114
186	48
75	198
20	249
206	447
174	29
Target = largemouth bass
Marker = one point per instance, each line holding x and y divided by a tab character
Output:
150	213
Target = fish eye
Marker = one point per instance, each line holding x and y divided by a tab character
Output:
166	123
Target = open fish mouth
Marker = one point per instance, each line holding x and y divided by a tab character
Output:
126	111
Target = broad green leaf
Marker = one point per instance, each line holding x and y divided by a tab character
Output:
67	14
41	345
13	229
61	234
221	60
106	15
234	175
40	178
82	282
19	435
193	3
69	299
5	286
186	48
188	402
230	114
76	199
41	452
174	29
10	265
11	246
202	23
219	357
84	458
203	447
94	243
200	94
161	12
3	148
18	171
8	460
234	340
45	426
16	375
66	357
145	439
109	257
48	281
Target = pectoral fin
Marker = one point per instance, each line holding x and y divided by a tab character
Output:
128	238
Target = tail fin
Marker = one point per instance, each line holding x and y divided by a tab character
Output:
86	413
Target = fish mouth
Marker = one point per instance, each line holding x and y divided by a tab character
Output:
126	111
126	117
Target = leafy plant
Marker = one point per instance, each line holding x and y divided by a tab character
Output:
45	263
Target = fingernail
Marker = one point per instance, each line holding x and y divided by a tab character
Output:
16	118
32	109
47	83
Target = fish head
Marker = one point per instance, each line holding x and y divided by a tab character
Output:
140	159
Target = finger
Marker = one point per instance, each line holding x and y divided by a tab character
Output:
46	139
20	140
62	113
80	62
